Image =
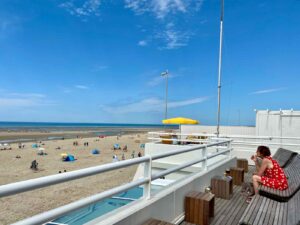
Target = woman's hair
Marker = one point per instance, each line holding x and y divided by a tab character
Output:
264	151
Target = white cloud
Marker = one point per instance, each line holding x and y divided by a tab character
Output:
156	81
66	90
142	43
17	102
8	100
83	87
149	105
187	102
165	11
27	95
162	8
173	39
266	91
87	8
159	79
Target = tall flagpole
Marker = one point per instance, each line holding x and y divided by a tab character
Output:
220	66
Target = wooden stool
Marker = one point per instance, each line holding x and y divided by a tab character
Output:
237	175
222	187
199	207
156	222
242	163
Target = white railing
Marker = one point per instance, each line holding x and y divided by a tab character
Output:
248	140
15	188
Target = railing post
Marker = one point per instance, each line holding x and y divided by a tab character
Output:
229	147
147	174
204	155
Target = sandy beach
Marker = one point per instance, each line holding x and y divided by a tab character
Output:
12	169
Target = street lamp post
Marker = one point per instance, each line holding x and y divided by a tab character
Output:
166	74
220	68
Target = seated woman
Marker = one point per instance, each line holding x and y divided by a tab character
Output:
269	173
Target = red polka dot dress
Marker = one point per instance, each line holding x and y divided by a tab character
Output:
275	177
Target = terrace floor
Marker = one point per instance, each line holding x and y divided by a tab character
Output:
229	212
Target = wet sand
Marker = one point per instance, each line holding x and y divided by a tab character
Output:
12	169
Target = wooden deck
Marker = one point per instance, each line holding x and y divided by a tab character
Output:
229	212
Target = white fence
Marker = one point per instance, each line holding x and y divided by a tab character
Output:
228	130
243	145
15	188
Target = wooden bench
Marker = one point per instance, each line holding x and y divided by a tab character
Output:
222	187
242	163
293	174
284	157
199	207
237	175
262	210
156	222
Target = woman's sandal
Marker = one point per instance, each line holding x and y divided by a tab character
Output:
248	200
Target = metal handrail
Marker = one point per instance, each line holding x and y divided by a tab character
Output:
22	186
181	140
27	185
32	184
174	169
224	136
260	143
244	140
57	212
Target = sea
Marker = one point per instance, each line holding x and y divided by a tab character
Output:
16	125
49	130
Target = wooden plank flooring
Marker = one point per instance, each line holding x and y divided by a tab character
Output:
229	212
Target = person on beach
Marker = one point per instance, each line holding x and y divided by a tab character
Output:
268	173
115	158
133	154
34	165
139	154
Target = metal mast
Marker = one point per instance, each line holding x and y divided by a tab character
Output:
220	66
166	74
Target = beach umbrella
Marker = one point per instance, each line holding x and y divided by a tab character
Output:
180	120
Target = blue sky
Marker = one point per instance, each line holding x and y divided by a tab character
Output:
101	60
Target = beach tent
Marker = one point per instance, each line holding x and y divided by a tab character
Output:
69	158
41	151
117	146
180	120
34	145
95	152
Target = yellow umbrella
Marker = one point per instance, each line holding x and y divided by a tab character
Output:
180	120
